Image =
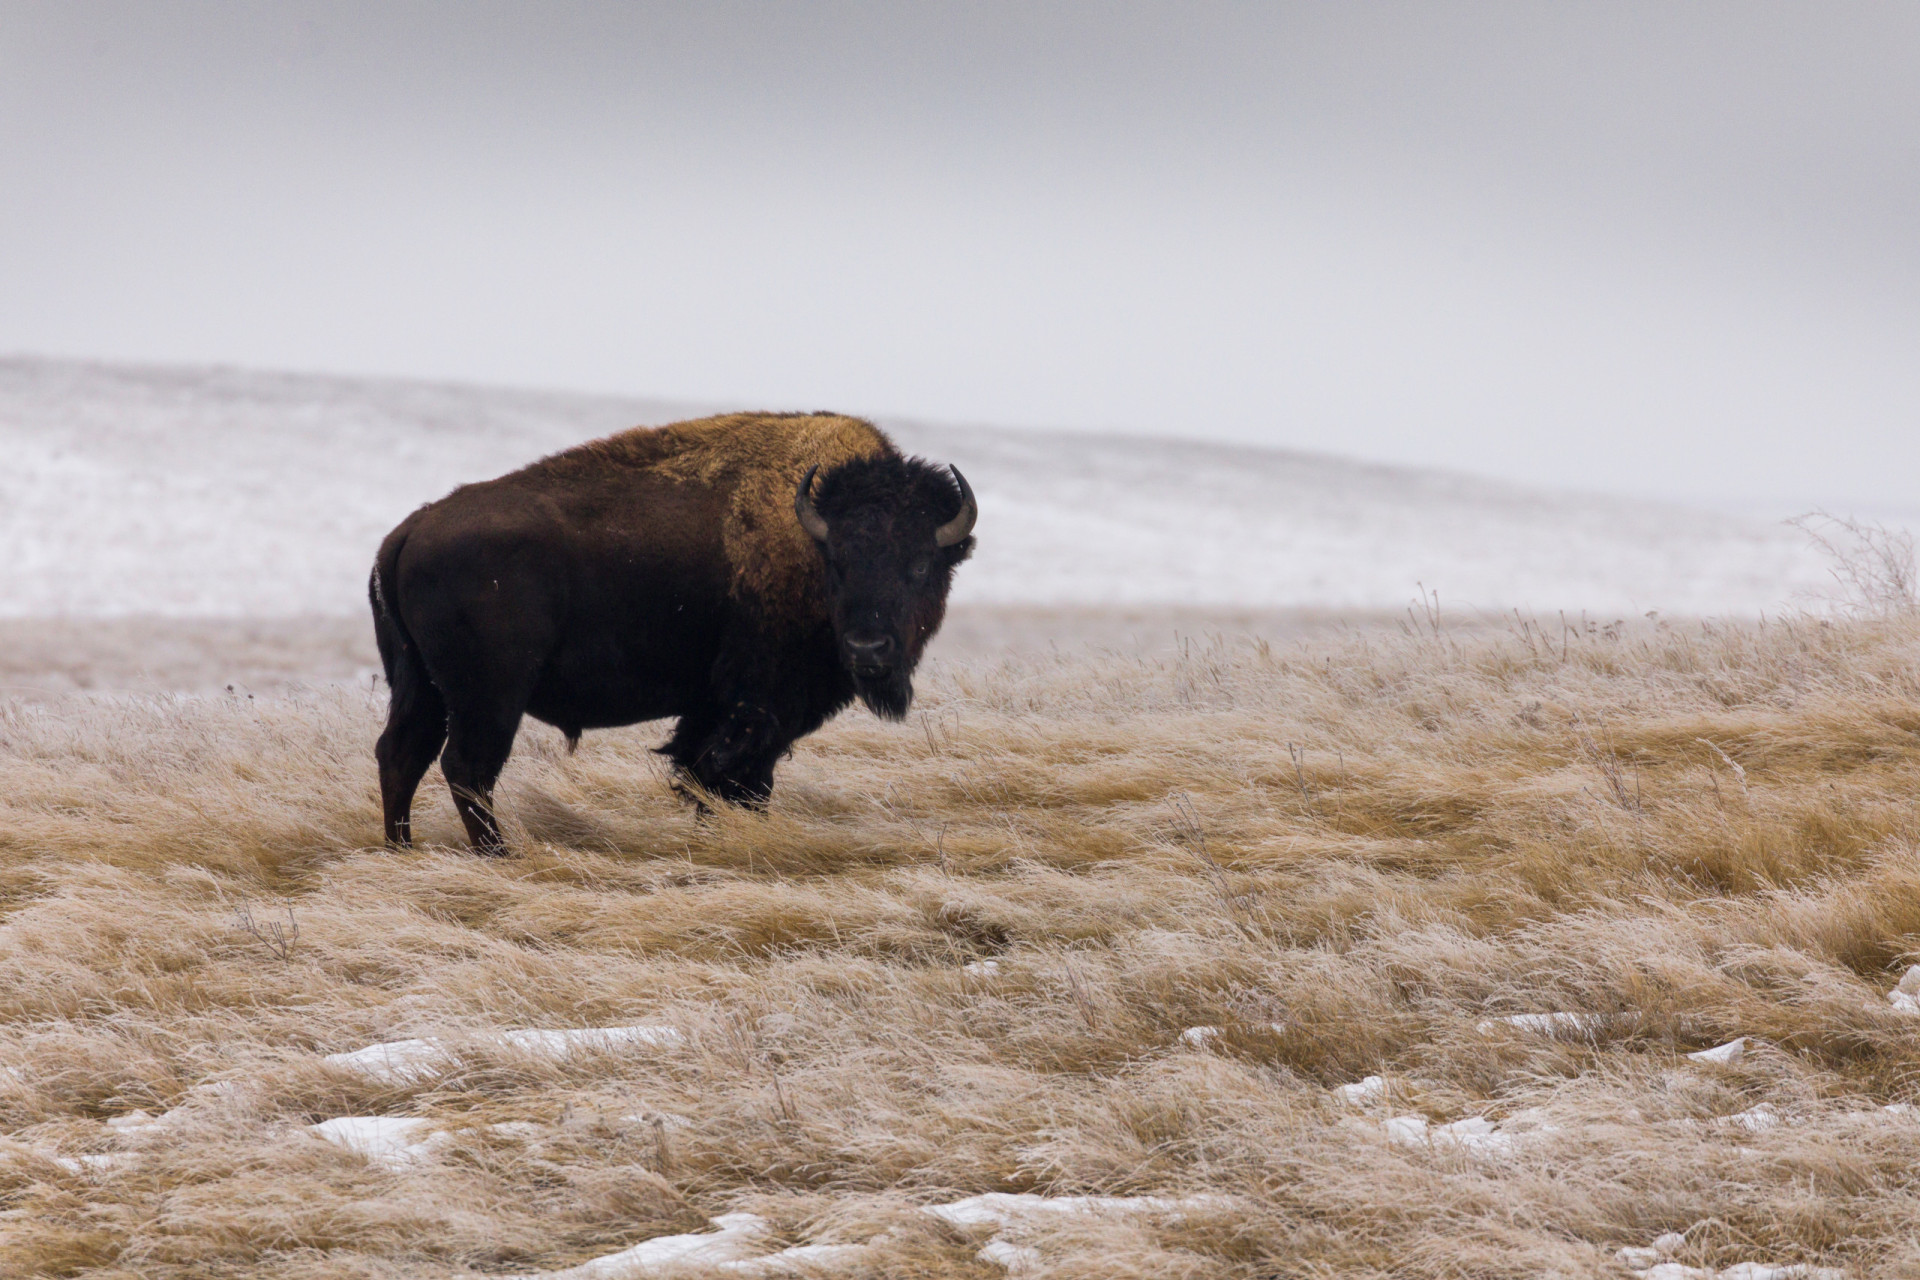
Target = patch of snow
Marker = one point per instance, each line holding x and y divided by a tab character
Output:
1474	1134
1006	1212
395	1061
1018	1259
217	1093
87	1162
561	1044
1644	1257
1365	1093
525	1130
411	1061
981	969
1407	1131
731	1241
1202	1037
105	1162
402	1142
391	1141
1738	1271
1753	1120
730	1247
1757	1119
1905	996
1001	1208
133	1122
808	1257
1726	1054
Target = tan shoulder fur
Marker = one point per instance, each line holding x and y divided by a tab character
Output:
759	458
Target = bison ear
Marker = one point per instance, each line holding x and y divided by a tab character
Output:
957	529
810	519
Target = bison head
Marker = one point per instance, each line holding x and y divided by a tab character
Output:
891	531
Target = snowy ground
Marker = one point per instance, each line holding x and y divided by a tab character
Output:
133	490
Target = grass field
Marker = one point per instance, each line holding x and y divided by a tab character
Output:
1350	856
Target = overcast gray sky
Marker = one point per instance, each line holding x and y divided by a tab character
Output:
1659	248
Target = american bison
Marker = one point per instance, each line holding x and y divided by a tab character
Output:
750	574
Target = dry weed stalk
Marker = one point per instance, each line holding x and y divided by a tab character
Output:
1739	774
277	938
1607	763
1192	835
1873	565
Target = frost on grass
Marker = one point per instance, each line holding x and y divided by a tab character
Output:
1441	847
1583	1026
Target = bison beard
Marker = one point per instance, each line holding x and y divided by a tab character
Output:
890	697
750	575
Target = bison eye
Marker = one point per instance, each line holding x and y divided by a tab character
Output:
918	570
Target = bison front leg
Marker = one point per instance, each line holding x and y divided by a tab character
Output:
730	755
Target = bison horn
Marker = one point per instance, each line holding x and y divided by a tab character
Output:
956	529
810	520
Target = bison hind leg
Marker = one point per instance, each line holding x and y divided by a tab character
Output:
416	728
478	744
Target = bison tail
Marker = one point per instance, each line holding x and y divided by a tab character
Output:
399	657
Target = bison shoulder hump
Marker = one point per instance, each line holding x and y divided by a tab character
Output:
759	458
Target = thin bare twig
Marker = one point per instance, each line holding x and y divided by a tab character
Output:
1191	833
1300	775
1608	765
1740	775
276	937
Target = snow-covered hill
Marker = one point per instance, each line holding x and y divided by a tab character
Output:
183	491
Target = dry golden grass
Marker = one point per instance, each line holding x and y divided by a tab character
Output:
1375	842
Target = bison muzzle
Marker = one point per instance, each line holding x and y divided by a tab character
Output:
749	574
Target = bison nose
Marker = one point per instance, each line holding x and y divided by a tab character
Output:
870	651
